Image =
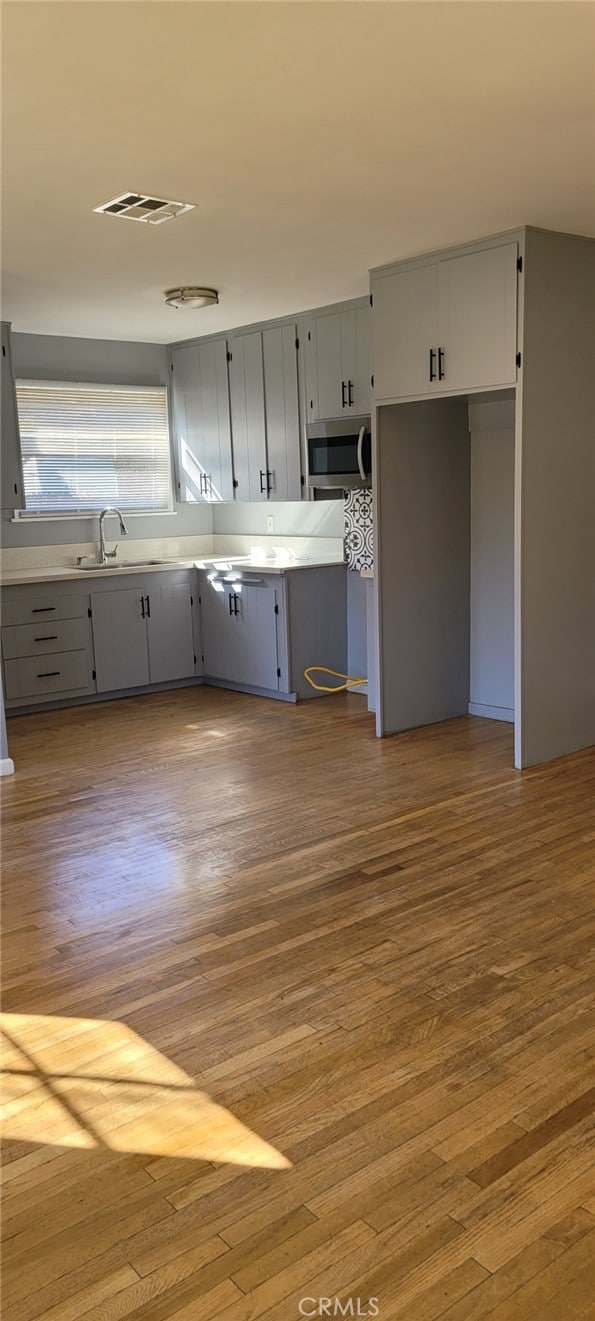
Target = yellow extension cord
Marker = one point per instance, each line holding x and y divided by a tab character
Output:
350	682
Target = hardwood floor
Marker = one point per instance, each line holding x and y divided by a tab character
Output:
294	1014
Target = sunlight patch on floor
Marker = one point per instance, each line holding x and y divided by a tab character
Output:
78	1082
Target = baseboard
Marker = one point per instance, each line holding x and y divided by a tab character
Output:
6	766
492	712
249	688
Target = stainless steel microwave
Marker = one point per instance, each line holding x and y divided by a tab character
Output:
340	453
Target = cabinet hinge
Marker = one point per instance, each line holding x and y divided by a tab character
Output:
278	673
372	381
371	300
229	355
519	264
89	612
276	609
202	659
518	359
297	343
200	600
235	483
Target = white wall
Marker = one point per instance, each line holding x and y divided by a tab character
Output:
491	425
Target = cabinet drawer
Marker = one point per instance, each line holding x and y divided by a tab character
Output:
60	673
44	638
43	608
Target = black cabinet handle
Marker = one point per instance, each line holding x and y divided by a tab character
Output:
142	606
148	608
350	393
235	604
42	609
48	637
230	601
48	674
262	481
432	364
269	483
343	399
441	359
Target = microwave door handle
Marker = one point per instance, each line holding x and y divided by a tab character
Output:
360	454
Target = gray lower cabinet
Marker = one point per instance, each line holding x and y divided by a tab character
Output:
46	644
120	639
143	635
240	633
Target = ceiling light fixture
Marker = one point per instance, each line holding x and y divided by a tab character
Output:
190	295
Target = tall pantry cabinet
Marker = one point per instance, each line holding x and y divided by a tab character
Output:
513	315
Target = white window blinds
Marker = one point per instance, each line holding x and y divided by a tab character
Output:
87	446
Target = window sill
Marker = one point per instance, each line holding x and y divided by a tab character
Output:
28	516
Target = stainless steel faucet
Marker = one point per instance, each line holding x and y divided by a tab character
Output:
105	555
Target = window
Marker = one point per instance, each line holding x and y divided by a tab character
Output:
88	446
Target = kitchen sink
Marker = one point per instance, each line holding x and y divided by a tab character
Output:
122	564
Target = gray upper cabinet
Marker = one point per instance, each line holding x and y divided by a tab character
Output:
477	321
201	421
405	332
447	326
246	383
282	412
337	364
11	469
143	635
263	377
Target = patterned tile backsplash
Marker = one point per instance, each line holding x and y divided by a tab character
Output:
359	545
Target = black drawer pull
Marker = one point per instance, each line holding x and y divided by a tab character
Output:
49	674
48	637
42	609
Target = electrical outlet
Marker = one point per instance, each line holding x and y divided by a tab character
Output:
270	523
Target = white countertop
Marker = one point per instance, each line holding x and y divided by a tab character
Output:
69	573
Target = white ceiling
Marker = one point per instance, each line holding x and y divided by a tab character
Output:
317	140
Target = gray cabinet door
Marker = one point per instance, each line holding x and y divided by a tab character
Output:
325	385
201	420
282	413
477	331
218	639
256	628
338	364
405	330
120	639
169	630
11	472
240	634
248	424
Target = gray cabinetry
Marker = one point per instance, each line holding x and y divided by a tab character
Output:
337	363
120	639
201	421
246	381
143	634
240	633
11	476
46	644
446	326
263	376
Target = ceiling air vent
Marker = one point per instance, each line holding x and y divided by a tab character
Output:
140	206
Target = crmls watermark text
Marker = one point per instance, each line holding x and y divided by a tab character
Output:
353	1307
